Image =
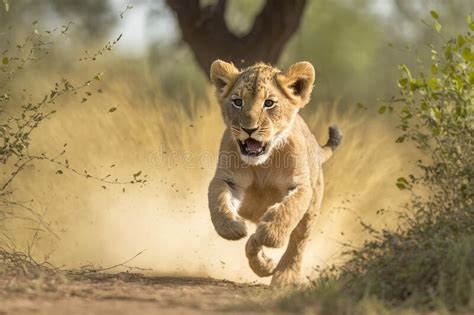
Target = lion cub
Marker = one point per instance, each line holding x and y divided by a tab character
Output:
270	166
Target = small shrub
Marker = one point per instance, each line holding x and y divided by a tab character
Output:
21	113
428	262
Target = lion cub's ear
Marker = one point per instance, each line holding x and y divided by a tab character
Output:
297	82
223	76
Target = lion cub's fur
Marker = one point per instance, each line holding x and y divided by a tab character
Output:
280	190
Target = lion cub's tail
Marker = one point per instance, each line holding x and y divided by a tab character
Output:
335	137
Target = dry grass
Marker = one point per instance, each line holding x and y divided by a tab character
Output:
168	217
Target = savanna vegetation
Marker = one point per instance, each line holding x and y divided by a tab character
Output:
87	117
427	262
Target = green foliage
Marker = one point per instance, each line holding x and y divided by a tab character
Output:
436	114
428	262
430	259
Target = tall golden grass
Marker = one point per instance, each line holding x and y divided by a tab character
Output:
176	144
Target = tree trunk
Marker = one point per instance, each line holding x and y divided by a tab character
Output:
204	29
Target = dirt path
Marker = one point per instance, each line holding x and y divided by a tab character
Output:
127	293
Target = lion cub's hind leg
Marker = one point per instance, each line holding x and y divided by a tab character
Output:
288	270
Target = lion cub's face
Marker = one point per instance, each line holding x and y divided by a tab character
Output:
259	104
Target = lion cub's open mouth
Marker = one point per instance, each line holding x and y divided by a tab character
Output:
252	147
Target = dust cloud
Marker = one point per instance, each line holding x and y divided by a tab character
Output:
175	145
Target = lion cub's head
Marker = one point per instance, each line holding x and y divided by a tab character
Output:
259	104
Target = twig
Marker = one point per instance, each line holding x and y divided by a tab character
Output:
85	175
121	264
15	173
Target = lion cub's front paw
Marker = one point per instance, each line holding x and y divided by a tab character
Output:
231	229
270	235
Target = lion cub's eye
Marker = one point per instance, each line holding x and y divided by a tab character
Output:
269	103
237	102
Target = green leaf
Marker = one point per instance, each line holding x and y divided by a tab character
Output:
402	82
438	27
401	186
361	106
433	83
400	139
467	54
448	53
471	77
6	4
461	41
382	109
434	14
402	180
5	60
415	84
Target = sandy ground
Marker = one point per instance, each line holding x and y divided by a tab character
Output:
127	293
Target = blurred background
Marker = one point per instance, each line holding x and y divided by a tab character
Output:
166	123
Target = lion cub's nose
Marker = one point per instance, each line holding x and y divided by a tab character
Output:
249	131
